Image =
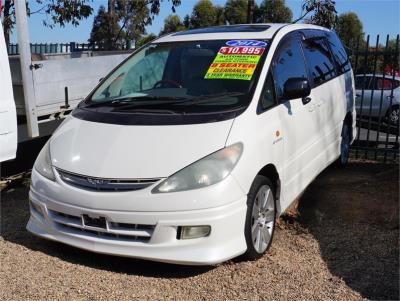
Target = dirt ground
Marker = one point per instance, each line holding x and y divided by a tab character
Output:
342	244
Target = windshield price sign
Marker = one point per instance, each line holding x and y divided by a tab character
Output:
235	62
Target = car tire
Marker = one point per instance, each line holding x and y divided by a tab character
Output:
344	145
392	116
260	218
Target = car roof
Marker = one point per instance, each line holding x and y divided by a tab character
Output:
227	32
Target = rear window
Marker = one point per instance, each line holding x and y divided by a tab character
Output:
385	83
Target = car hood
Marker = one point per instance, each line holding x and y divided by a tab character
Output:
127	152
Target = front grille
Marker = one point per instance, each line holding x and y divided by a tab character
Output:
102	184
112	231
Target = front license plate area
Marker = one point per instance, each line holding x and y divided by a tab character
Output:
96	222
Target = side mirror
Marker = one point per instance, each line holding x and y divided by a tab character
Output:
297	87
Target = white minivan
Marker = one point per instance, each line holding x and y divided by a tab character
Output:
190	149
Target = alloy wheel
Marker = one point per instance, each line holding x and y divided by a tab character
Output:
263	219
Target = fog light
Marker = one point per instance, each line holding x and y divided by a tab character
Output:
35	208
189	232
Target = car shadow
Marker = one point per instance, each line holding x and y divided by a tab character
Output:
353	214
15	215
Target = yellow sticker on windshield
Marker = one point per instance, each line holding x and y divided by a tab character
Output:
235	63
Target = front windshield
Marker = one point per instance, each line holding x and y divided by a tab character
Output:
194	76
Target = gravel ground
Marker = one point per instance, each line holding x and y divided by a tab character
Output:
341	243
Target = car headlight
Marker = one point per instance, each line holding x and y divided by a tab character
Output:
205	172
43	163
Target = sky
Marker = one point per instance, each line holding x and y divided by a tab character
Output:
378	17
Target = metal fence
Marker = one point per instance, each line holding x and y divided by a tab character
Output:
46	48
376	70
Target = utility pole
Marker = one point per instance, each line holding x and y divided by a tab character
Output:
250	11
21	20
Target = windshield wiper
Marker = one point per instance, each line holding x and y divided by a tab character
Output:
126	104
141	106
150	111
207	98
182	100
127	101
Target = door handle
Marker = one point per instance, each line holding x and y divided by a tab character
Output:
358	95
390	96
306	100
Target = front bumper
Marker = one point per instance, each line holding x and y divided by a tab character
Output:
60	221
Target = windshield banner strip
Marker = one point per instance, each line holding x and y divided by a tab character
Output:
235	63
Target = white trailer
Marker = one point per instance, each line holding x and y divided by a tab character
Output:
47	87
59	83
8	119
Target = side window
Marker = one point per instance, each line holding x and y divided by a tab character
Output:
339	53
288	63
362	82
319	61
375	83
385	84
267	98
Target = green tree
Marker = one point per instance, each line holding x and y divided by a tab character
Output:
274	11
236	11
104	32
172	23
186	21
133	15
204	14
323	12
145	39
251	9
124	22
219	15
349	29
57	12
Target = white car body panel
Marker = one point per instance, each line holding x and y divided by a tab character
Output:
298	140
120	149
8	116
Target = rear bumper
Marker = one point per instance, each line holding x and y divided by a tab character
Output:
225	241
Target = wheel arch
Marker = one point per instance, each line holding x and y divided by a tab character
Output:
349	120
271	173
